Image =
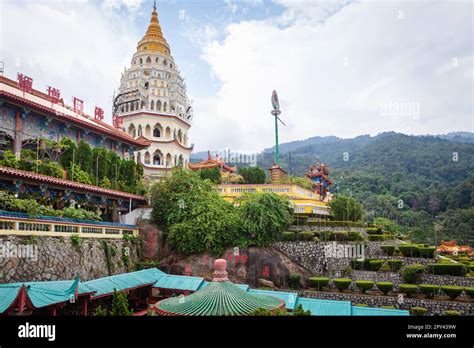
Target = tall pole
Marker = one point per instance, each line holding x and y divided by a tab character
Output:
277	159
275	112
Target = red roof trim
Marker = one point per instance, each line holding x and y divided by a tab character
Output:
109	130
23	174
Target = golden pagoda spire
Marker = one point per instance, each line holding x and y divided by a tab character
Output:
154	40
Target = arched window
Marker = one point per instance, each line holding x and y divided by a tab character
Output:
168	160
132	106
157	131
165	63
139	157
158	105
165	106
141	61
147	157
143	104
171	66
156	60
140	131
168	132
131	130
157	158
152	105
180	136
148	60
181	160
147	130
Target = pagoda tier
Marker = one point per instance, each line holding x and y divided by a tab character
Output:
212	163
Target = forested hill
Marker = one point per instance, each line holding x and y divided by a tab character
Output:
433	176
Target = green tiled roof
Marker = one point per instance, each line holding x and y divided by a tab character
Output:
290	298
177	282
368	311
217	299
325	307
244	287
107	285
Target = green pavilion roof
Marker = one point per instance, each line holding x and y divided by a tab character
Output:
221	298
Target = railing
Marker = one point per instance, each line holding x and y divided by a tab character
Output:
22	224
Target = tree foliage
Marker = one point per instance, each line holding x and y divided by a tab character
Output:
252	175
346	208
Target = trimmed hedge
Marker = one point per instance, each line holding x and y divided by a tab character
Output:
335	223
364	285
469	291
408	289
318	282
452	291
353	236
385	287
429	290
454	269
388	249
294	280
395	265
288	236
411	274
376	238
451	313
376	264
342	283
418	311
373	230
341	236
427	252
361	305
305	235
388	307
408	250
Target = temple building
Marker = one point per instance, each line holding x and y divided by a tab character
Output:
153	104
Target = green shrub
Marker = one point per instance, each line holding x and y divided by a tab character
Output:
388	249
429	290
385	287
305	235
361	305
411	274
288	236
427	252
451	313
76	241
408	289
359	264
373	230
469	291
318	282
376	264
388	307
327	235
341	236
395	265
376	238
354	236
342	283
385	268
364	285
294	280
418	311
452	291
408	250
454	269
315	239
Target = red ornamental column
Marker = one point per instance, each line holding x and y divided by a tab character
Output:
17	138
84	307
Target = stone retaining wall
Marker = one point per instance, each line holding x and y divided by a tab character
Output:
434	307
303	228
55	258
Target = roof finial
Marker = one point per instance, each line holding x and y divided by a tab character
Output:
154	5
220	272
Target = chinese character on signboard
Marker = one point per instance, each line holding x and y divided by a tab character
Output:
98	113
78	106
230	256
54	94
117	121
25	83
244	258
266	272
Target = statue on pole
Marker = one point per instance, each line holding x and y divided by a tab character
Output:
275	112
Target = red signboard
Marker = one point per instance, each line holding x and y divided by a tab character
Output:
98	113
54	94
117	121
25	83
78	106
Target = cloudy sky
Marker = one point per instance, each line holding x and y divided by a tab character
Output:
340	67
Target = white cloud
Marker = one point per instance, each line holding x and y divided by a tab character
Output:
334	66
79	47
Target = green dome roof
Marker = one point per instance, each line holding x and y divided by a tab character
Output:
218	298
